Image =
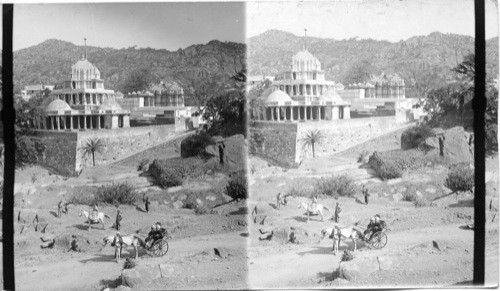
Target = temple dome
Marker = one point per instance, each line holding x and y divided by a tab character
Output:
305	61
58	105
331	96
84	70
110	104
278	96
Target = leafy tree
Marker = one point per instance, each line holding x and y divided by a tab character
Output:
92	146
360	71
138	80
313	137
28	114
226	112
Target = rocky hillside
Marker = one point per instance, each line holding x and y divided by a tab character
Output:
50	62
421	60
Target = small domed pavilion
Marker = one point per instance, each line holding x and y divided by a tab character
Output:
82	103
301	95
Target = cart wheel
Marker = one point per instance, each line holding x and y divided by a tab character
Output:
379	240
160	247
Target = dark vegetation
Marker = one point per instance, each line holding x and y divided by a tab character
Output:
113	194
172	172
237	187
347	256
392	164
460	178
129	263
414	136
195	144
336	186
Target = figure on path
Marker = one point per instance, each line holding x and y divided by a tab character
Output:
59	208
95	211
366	194
118	243
336	215
278	201
118	220
146	204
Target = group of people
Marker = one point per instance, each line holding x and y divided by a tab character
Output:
375	225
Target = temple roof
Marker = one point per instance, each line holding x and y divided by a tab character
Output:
110	104
331	96
58	105
278	96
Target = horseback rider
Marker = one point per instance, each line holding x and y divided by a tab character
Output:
314	201
95	211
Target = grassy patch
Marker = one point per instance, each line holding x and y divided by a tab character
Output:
460	178
172	172
336	186
392	164
115	194
237	187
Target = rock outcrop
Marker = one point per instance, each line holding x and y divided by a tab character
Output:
455	145
358	268
231	151
140	275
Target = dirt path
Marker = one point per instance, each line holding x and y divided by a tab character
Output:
304	266
80	272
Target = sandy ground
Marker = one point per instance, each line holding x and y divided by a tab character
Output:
191	252
415	260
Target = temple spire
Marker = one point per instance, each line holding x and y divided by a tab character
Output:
85	39
305	39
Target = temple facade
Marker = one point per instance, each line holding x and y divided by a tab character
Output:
82	103
301	95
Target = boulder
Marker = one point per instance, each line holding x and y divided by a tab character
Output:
139	276
79	243
233	150
455	145
63	241
177	204
166	270
358	268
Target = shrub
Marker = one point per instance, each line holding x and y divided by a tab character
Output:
362	156
414	136
172	172
190	201
195	144
298	192
409	196
460	178
336	186
129	263
237	186
392	164
143	165
200	209
347	256
115	194
420	202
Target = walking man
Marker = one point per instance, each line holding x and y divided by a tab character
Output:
366	194
337	213
278	201
118	220
59	209
146	204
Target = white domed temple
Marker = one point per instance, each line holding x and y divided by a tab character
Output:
82	103
302	95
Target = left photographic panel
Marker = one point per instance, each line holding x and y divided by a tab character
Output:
130	146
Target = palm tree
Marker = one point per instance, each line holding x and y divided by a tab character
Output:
92	146
313	137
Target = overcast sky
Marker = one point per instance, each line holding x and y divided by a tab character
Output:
120	25
392	20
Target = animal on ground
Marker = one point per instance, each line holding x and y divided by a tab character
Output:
337	233
133	240
93	220
313	209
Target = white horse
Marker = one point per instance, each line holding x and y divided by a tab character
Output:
99	218
128	240
353	232
313	209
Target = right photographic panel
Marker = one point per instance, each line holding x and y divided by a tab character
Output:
361	141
